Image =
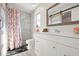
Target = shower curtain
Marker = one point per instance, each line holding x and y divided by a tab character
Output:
14	31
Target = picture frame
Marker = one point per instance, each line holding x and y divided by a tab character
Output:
65	11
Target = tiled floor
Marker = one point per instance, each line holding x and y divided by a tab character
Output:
26	53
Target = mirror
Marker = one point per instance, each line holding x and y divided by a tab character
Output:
63	14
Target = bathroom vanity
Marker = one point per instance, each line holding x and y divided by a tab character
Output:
48	44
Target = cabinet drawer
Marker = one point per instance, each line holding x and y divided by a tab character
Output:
66	51
72	42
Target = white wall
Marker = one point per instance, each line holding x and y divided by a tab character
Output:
42	10
3	31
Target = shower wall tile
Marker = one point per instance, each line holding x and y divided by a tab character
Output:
25	27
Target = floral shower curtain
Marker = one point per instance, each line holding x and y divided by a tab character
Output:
14	31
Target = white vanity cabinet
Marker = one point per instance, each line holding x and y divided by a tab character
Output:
54	45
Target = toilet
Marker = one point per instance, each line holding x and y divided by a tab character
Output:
30	43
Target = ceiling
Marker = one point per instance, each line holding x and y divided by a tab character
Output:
28	7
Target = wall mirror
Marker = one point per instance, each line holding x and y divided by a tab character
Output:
63	14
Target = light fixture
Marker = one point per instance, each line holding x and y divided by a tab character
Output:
33	4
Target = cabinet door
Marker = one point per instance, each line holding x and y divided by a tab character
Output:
47	48
37	46
51	48
66	51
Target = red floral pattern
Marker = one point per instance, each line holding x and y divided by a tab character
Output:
14	33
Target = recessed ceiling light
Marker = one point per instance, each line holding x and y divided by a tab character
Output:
33	5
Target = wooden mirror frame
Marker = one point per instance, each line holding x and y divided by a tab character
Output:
67	23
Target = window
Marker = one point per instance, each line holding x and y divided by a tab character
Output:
37	20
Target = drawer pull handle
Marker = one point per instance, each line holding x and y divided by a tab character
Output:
65	55
53	47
